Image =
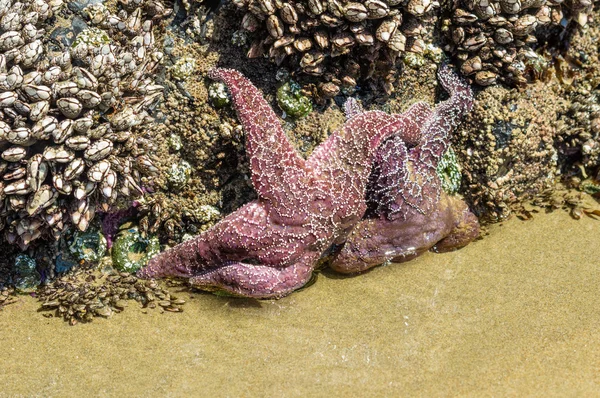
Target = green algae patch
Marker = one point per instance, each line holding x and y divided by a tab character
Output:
291	100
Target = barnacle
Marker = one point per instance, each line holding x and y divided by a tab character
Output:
340	42
69	109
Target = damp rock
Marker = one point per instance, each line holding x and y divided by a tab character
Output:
64	263
239	38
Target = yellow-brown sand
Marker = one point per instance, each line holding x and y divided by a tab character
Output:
514	314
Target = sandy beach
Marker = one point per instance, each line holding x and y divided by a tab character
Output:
513	314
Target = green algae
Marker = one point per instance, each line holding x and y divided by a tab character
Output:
291	100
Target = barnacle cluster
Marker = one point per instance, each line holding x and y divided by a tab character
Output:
507	148
579	140
339	41
68	105
579	128
494	40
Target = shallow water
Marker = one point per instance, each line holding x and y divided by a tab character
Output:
513	314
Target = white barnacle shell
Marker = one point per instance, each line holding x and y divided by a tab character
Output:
97	172
70	107
98	150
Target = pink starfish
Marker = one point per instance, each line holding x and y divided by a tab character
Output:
410	213
269	247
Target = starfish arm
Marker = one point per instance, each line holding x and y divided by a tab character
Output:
353	147
322	151
352	108
389	173
233	238
344	162
407	125
379	240
274	163
373	242
415	117
409	122
389	167
445	117
398	184
180	261
258	281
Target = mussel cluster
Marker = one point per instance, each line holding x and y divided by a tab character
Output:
494	40
67	111
339	41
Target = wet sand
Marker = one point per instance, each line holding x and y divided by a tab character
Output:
513	314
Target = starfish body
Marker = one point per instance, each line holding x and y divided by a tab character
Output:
269	247
408	211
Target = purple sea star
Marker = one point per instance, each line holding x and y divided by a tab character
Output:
409	212
111	221
269	247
